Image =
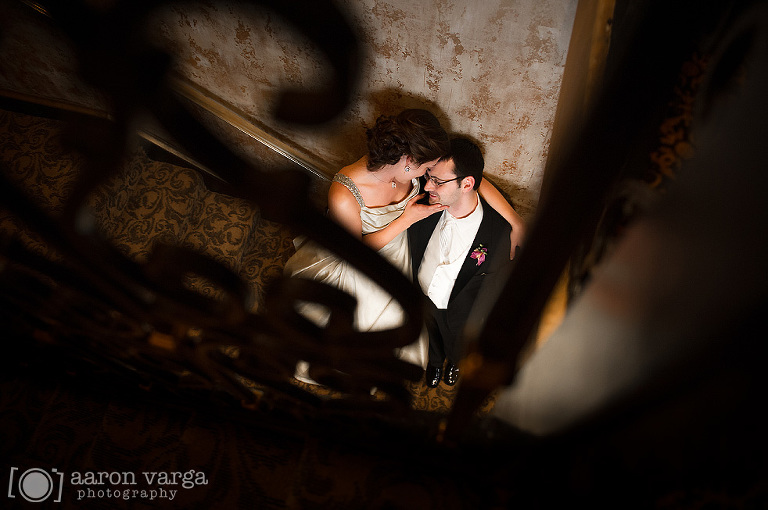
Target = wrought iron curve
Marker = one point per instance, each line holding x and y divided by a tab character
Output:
139	319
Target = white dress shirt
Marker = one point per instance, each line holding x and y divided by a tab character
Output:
447	248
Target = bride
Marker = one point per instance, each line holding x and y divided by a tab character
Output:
376	199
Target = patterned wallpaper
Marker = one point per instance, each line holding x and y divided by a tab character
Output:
490	69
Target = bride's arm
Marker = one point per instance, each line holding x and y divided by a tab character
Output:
412	213
344	209
496	200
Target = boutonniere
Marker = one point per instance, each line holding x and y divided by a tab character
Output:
479	254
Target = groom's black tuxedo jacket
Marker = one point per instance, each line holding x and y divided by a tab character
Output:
445	328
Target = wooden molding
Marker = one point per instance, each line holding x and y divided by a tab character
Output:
208	102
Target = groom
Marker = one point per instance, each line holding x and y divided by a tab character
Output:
455	252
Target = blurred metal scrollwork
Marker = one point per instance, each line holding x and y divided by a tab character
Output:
138	319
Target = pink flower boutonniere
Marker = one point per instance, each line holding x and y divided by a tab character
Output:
479	254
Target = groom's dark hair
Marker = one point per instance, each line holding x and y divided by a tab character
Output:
467	159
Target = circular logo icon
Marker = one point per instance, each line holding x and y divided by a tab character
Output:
35	485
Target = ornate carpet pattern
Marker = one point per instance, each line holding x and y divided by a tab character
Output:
675	140
248	462
79	424
151	202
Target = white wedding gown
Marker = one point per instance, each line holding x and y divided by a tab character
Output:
376	309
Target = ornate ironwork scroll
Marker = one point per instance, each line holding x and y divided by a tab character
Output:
139	319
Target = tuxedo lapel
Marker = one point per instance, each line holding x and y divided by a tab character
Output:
487	234
469	268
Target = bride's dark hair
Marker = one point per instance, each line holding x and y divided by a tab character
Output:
416	133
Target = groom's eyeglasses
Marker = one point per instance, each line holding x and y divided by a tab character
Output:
436	181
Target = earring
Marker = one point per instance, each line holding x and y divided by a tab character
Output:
407	169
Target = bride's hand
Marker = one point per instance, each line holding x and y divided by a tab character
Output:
415	212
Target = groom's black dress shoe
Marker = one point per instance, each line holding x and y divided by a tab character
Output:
434	374
451	374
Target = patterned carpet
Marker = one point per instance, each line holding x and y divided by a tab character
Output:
249	461
64	418
107	442
148	203
153	202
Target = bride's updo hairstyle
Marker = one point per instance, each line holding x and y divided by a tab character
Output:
416	133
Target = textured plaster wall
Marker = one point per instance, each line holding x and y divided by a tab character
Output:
490	69
35	59
493	67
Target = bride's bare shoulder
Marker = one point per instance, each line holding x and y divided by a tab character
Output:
341	195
